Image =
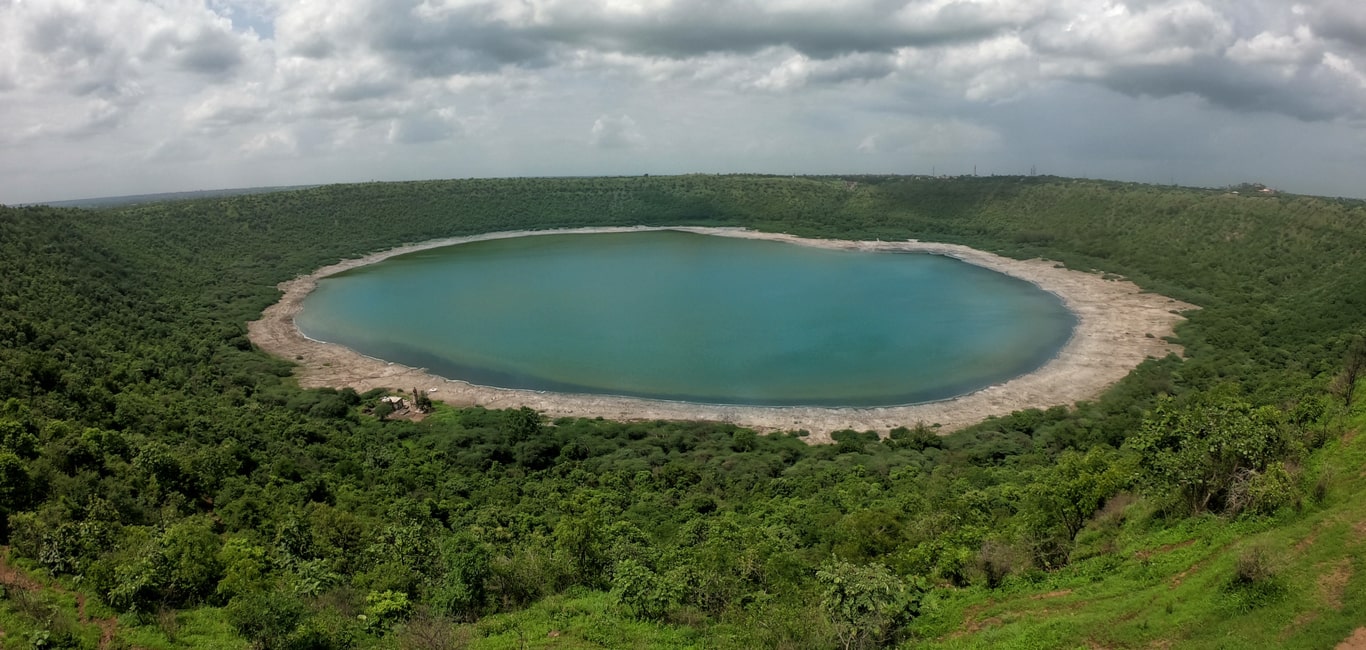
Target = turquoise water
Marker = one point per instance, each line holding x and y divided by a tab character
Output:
690	317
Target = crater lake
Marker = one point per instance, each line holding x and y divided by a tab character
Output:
690	317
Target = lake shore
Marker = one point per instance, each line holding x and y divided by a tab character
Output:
1118	326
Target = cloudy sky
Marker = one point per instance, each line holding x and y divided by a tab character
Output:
108	97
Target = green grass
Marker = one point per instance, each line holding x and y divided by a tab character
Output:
565	622
205	628
31	618
1172	587
587	621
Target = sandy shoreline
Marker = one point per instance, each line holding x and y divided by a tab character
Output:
1118	326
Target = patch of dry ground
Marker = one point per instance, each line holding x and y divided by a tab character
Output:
1355	642
1118	327
1333	583
1165	548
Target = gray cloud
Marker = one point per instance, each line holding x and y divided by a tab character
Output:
484	36
466	41
363	88
209	52
701	29
63	38
1235	88
313	46
1342	20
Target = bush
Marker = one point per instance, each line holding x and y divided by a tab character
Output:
918	439
1263	493
265	618
995	562
384	608
645	593
1253	567
1254	582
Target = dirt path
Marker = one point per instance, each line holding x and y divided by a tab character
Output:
1118	327
13	578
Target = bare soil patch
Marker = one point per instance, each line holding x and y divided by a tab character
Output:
1119	325
1355	642
1333	583
1298	624
1181	577
1304	544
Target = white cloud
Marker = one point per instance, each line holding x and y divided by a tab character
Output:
1275	49
1115	33
277	143
348	86
1345	68
615	132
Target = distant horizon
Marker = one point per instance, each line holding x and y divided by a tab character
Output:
190	194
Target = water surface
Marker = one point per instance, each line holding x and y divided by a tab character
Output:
684	316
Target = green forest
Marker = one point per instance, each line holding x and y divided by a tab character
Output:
163	484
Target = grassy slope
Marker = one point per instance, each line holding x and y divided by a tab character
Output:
1157	587
1170	587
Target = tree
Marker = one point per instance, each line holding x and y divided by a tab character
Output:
18	438
245	568
521	424
1353	368
1061	499
647	594
462	592
180	567
867	604
191	548
266	618
743	440
14	483
1197	455
579	540
384	608
920	438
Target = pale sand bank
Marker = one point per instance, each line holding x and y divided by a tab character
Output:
1118	327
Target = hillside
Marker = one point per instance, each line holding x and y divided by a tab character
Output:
166	485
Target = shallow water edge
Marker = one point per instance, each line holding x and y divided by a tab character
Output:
1118	326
